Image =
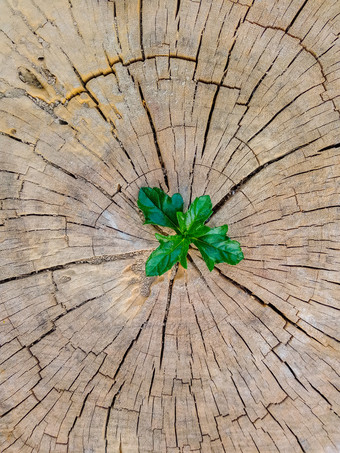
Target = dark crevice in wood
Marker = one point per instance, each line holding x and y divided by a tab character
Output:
122	147
206	82
116	25
178	4
215	358
200	40
258	84
293	373
303	266
296	15
80	413
230	51
243	340
199	272
93	260
29	274
17	139
175	422
240	286
197	53
232	155
239	185
196	409
281	110
275	378
257	448
153	57
165	319
109	414
270	305
58	167
249	8
46	333
122	361
209	120
197	321
213	104
326	305
191	176
152	379
126	64
67	311
141	28
311	52
321	394
125	233
336	145
238	392
279	312
75	23
322	332
297	439
309	171
84	83
3	414
37	215
153	129
102	73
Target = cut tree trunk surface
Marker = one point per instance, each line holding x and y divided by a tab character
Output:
234	99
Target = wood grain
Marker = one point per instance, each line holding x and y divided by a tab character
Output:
235	99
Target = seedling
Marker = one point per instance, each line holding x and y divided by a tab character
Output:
160	209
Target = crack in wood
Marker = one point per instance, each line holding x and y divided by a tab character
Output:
237	187
165	319
154	133
98	259
141	28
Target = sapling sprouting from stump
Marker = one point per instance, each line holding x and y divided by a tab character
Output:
213	243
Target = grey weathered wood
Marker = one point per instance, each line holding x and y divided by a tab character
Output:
238	100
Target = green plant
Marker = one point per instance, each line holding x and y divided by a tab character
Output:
160	209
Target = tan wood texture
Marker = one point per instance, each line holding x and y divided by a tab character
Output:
235	99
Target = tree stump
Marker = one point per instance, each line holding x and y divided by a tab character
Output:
234	99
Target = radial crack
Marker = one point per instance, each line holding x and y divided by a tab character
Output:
153	129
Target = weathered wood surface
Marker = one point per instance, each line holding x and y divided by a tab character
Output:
237	100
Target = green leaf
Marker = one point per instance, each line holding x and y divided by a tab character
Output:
215	247
213	243
172	249
199	211
158	208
